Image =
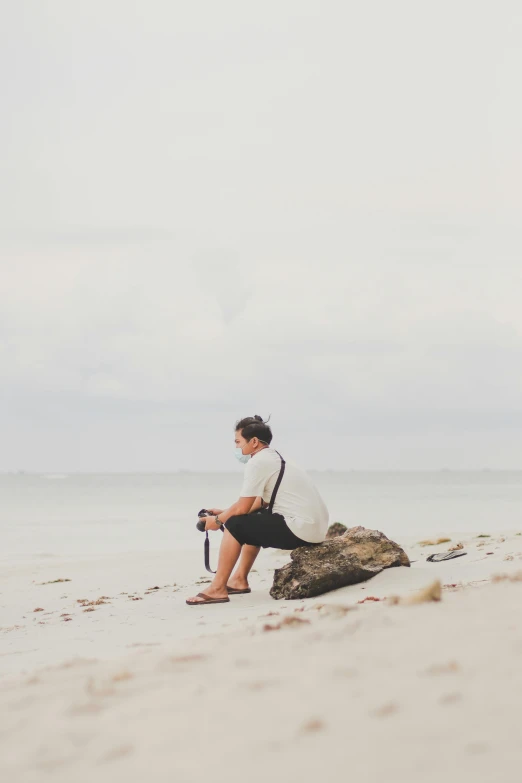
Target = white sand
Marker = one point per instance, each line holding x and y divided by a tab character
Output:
418	693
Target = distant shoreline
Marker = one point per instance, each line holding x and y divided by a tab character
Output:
357	471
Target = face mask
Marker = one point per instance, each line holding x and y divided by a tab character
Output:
240	456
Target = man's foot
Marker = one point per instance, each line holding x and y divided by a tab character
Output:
236	583
212	593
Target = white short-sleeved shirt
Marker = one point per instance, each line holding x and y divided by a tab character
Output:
297	497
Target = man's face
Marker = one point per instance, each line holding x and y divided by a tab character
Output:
247	447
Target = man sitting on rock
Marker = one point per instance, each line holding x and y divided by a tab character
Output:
279	507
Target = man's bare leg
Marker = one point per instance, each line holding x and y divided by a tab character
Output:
239	581
229	552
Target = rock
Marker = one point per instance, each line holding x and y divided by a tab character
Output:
354	557
337	529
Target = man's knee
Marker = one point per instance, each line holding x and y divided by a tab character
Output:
236	526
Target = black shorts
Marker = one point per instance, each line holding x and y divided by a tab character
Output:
261	528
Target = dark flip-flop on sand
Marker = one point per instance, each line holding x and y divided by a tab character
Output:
207	600
444	556
233	591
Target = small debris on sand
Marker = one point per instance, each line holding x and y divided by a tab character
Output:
434	541
430	593
333	610
517	577
38	609
90	609
370	598
291	620
385	710
313	725
190	658
53	582
117	753
443	668
483	535
456	547
121	676
450	698
135	598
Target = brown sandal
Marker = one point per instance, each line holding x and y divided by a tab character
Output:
207	600
233	591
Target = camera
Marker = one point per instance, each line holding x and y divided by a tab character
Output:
201	525
203	513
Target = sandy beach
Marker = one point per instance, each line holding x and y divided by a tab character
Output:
115	678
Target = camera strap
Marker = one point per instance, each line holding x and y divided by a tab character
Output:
206	545
206	549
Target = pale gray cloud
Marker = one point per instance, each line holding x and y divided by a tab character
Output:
306	208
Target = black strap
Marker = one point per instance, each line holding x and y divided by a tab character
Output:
278	483
207	554
206	548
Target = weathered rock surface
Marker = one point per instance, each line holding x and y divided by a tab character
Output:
336	529
344	560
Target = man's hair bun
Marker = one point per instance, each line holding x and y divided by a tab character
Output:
260	418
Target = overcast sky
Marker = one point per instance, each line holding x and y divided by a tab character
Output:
309	208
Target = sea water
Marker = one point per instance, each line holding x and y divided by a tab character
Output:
88	515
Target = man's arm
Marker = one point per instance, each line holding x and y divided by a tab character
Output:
241	506
258	503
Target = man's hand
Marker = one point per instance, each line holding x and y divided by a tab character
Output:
215	511
210	523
